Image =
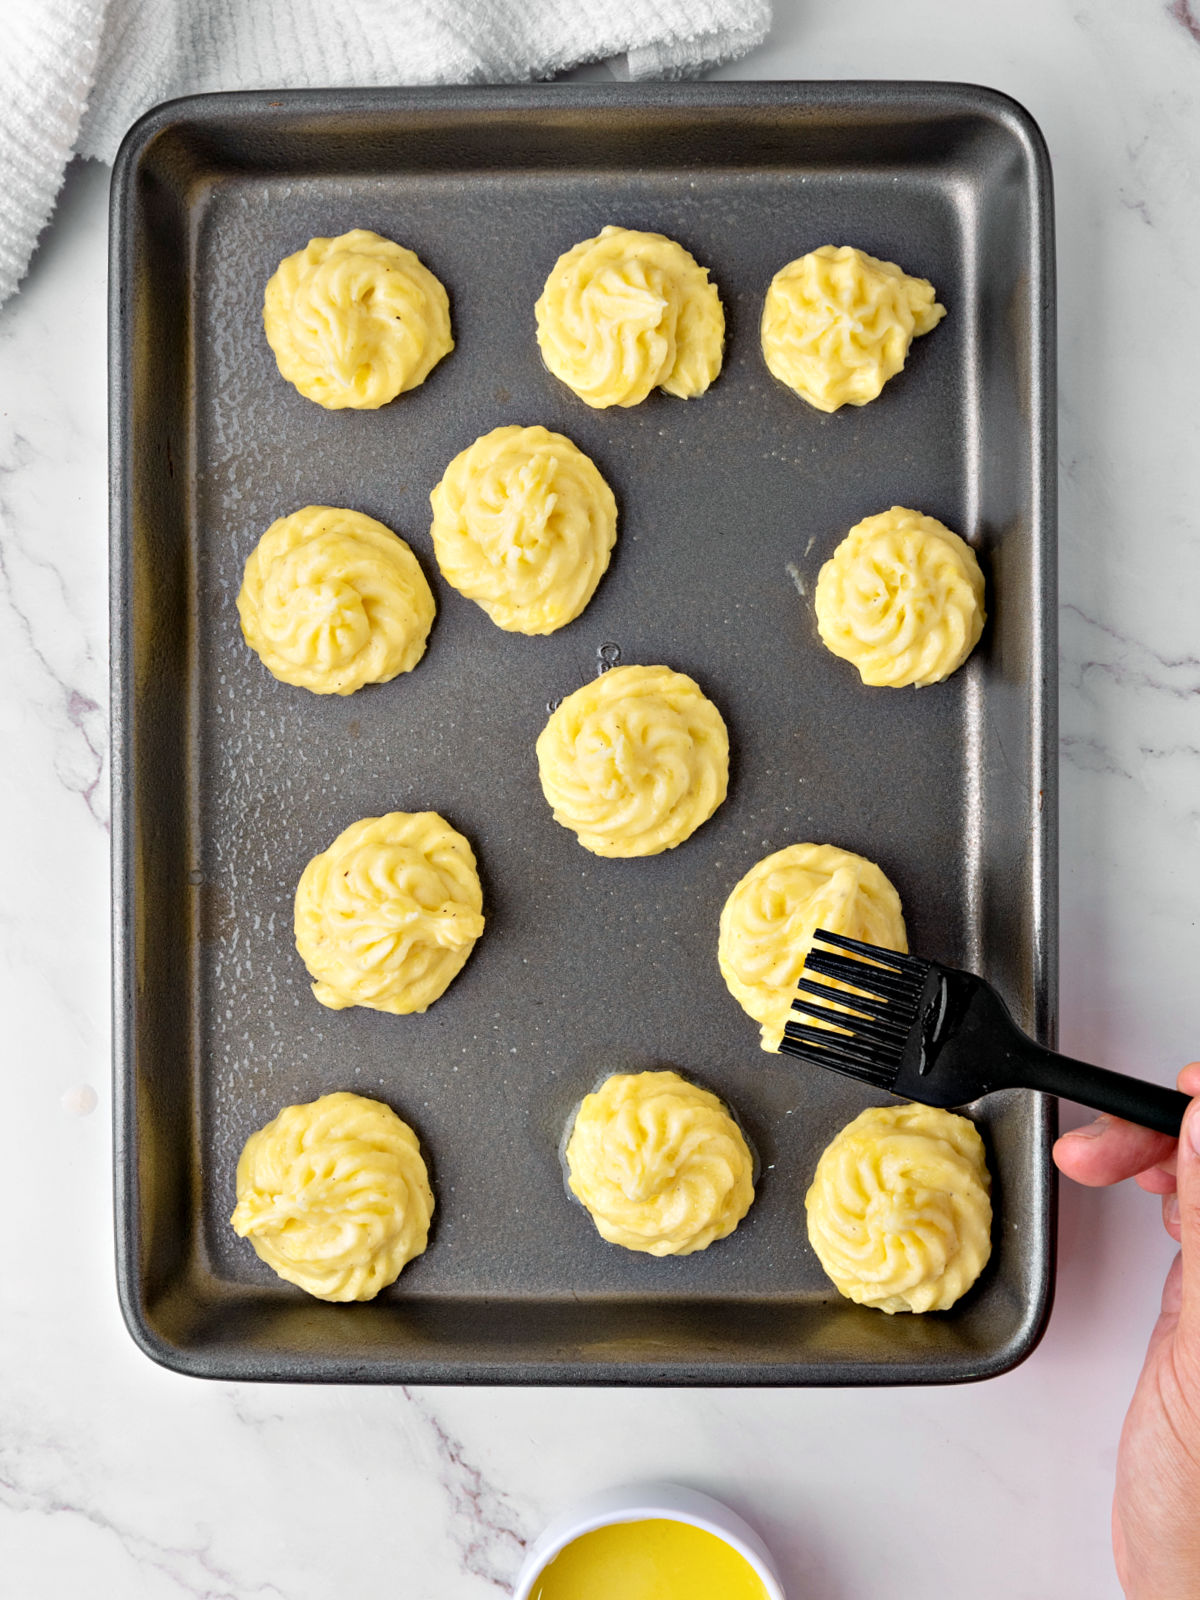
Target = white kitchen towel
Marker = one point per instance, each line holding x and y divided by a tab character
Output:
77	73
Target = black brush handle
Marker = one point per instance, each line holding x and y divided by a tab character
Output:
1147	1104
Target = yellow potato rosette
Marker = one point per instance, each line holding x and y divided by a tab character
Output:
837	324
523	524
634	761
355	321
901	598
387	916
768	923
659	1163
899	1211
334	1196
628	312
331	600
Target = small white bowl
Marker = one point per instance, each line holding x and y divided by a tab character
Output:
641	1503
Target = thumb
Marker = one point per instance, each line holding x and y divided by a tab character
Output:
1188	1175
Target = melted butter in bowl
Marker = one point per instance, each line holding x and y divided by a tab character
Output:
655	1559
653	1541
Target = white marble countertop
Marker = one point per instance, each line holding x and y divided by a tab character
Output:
120	1479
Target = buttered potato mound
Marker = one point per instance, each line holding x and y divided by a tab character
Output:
659	1163
634	761
523	524
334	1196
627	312
768	923
899	1211
902	599
387	916
355	321
837	324
331	599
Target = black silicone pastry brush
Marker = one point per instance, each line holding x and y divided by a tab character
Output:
931	1033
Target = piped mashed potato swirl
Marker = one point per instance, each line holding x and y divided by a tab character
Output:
634	761
837	324
331	600
355	321
902	599
659	1163
628	312
334	1196
768	923
387	916
523	524
899	1211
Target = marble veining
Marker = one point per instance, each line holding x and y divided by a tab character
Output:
1133	712
1184	14
31	1475
56	641
120	1480
483	1523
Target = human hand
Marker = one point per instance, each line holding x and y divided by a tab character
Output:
1156	1507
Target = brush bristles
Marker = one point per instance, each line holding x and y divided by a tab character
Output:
876	953
862	1025
819	1055
890	1016
887	1035
839	1044
896	990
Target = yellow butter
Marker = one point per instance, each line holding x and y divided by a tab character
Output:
355	321
387	916
768	922
523	524
902	599
628	312
837	324
634	761
899	1211
334	1196
331	600
659	1163
651	1559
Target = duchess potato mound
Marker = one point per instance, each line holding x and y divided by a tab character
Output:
355	321
659	1163
524	524
332	600
387	915
634	761
769	919
334	1196
628	312
899	1211
837	324
901	598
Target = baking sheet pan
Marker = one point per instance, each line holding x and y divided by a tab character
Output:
226	781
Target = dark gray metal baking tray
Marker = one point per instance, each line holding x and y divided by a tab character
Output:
226	781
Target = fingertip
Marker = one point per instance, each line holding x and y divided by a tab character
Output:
1072	1150
1095	1129
1069	1155
1189	1078
1155	1181
1108	1151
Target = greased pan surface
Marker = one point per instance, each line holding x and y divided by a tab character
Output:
226	781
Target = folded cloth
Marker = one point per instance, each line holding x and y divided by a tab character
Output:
76	73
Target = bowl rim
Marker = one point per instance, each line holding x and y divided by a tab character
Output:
645	1502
